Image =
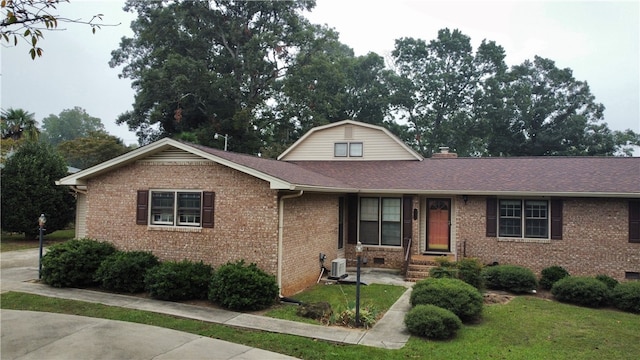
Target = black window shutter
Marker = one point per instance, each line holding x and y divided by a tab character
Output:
208	200
634	220
556	219
407	216
352	219
492	217
142	207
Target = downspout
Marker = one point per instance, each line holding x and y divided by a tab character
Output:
280	235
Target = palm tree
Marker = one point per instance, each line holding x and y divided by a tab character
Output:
18	124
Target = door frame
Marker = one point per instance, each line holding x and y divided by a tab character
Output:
449	202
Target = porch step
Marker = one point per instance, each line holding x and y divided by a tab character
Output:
420	266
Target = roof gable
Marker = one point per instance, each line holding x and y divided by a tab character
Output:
376	142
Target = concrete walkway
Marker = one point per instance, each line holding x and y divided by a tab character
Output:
389	332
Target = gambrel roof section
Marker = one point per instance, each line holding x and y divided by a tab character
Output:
349	140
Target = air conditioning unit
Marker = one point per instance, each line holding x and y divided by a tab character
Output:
339	268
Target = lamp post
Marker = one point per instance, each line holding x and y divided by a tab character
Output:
41	221
226	138
358	256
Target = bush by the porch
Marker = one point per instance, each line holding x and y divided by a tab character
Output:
626	296
175	281
243	287
512	278
432	322
74	262
124	270
454	295
583	291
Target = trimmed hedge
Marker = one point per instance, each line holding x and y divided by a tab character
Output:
452	294
626	296
240	287
174	281
584	291
512	278
432	322
549	276
124	271
73	263
468	270
608	280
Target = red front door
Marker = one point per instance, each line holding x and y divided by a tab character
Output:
438	224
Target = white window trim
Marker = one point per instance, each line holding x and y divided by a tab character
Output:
176	224
523	224
348	150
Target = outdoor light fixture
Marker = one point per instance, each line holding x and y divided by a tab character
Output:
226	138
359	249
41	221
465	198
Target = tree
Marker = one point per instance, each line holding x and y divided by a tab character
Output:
96	147
440	80
207	66
18	124
29	189
69	125
26	20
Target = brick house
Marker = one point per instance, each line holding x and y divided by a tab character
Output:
350	181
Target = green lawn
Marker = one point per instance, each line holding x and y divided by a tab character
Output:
525	328
12	242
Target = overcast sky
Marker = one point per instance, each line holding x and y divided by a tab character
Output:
598	40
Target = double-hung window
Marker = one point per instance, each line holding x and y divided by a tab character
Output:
380	221
524	218
347	149
175	208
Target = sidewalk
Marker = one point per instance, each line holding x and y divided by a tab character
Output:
389	332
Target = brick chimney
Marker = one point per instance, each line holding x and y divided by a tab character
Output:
444	154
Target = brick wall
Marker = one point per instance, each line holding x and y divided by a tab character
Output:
245	214
310	228
595	239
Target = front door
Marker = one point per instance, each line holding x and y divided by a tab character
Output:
438	224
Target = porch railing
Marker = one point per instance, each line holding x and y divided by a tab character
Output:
407	256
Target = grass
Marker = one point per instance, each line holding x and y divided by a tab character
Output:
15	241
525	328
341	297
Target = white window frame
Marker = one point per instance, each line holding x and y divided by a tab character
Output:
175	219
525	218
345	149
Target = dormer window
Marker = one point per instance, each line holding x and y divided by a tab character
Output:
347	149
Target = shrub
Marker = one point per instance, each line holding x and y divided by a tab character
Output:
515	279
471	272
626	296
607	280
124	270
432	322
176	281
584	291
550	275
74	262
240	287
452	294
467	270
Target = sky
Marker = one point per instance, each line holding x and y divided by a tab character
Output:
598	40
